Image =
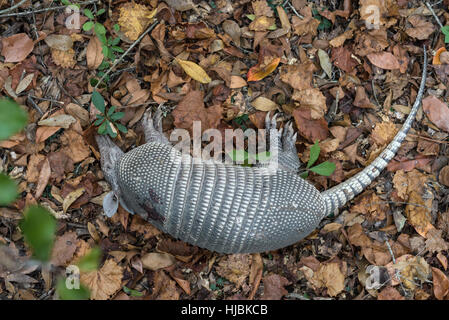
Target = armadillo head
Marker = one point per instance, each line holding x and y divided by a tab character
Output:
110	154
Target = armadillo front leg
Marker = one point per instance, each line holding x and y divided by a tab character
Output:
152	127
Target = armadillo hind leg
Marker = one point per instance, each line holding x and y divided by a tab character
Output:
284	140
288	157
152	127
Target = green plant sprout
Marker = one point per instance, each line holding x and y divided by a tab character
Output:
12	120
324	169
109	45
106	120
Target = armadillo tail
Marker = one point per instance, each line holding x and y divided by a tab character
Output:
339	195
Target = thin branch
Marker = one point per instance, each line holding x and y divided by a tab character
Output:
25	13
13	7
434	14
125	53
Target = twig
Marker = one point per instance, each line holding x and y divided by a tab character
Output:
293	9
434	14
35	106
13	7
125	53
18	14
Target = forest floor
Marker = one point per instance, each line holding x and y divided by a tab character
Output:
346	72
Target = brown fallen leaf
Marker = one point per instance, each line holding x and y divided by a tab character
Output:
307	127
312	99
105	282
16	47
44	177
435	241
390	293
331	276
71	198
235	268
421	29
437	111
274	287
164	288
191	108
440	284
264	104
64	249
94	53
383	133
75	146
384	60
155	260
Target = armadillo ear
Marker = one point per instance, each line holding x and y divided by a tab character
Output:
110	204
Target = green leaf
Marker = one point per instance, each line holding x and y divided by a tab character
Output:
104	65
117	116
121	127
116	27
239	155
445	31
82	293
102	128
100	12
263	156
38	228
89	14
132	292
304	175
272	27
98	101
105	51
251	16
8	189
65	2
99	29
115	41
111	111
117	49
109	130
12	118
98	122
314	154
325	168
88	25
91	260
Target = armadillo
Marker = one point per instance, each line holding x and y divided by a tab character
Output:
224	207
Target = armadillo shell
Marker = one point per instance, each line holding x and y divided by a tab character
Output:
221	207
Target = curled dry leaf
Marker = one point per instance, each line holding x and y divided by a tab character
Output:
437	111
63	121
312	99
155	261
264	104
233	30
330	276
71	198
194	71
94	53
237	82
44	177
17	47
24	83
59	41
440	284
258	72
105	282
